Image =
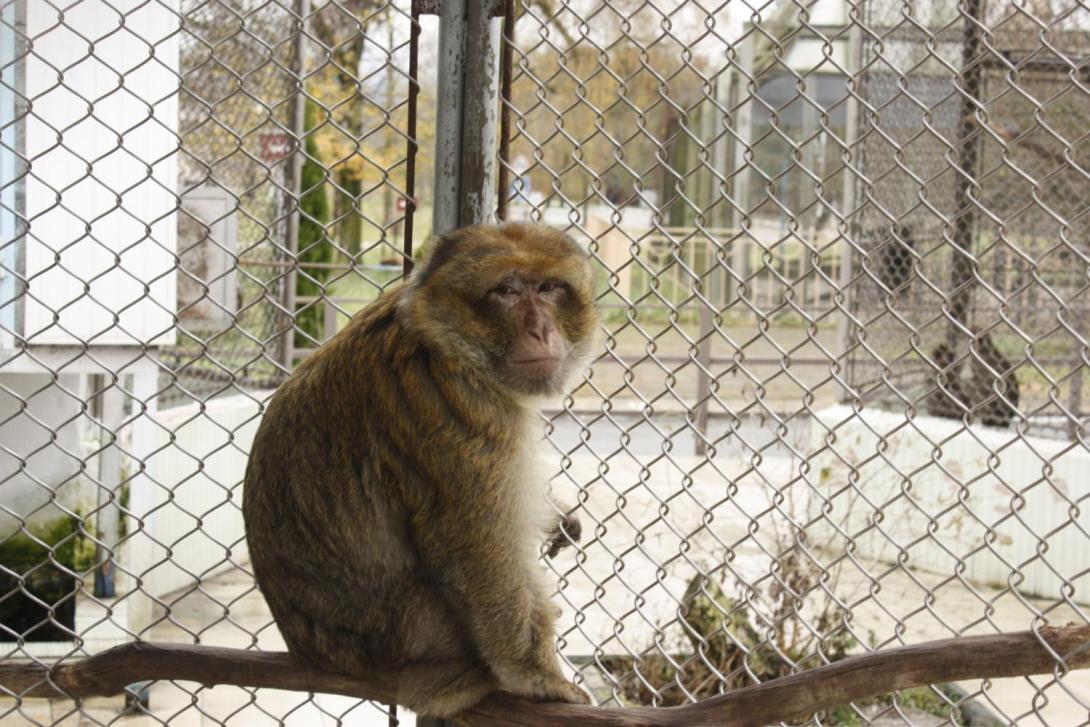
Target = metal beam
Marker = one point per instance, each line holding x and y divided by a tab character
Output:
468	102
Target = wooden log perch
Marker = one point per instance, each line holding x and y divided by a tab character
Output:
792	697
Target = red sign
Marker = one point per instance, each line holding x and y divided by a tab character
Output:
275	147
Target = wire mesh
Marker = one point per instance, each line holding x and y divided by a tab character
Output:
842	266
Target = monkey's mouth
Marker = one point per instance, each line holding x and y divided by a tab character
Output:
536	368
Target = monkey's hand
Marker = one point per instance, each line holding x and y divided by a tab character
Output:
564	532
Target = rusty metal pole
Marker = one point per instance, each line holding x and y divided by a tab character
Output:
448	123
413	145
480	114
465	143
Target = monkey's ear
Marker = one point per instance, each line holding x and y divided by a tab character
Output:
437	252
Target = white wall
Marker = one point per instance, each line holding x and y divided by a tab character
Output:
31	409
808	55
101	118
993	500
191	506
828	12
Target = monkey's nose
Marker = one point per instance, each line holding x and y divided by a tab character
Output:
539	327
538	333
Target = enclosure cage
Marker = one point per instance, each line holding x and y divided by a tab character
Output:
841	260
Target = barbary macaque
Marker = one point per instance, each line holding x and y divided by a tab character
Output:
394	512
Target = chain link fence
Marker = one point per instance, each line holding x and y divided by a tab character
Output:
842	266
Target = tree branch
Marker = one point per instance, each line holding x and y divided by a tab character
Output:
791	697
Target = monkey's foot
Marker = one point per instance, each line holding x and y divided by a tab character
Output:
564	691
547	687
443	689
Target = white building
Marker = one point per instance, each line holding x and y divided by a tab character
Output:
88	288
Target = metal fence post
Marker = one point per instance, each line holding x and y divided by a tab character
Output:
298	130
703	379
743	120
962	269
468	94
845	329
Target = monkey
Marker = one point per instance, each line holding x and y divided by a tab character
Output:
950	401
992	409
393	516
895	260
977	392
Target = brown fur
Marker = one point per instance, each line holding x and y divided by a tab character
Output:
392	520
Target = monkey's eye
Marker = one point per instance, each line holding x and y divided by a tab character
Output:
504	290
550	286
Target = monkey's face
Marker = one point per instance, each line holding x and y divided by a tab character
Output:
535	333
515	302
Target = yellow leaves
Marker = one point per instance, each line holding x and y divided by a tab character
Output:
359	133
